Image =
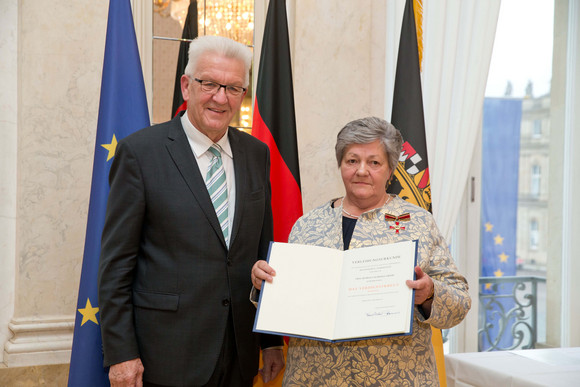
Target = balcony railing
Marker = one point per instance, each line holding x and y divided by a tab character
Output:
508	313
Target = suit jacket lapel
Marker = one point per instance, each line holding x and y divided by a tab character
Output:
182	155
240	162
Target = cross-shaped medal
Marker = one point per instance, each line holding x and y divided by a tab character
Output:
397	227
398	219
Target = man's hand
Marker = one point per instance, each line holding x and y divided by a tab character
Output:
273	359
127	374
261	271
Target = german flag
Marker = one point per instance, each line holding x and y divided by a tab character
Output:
189	33
274	120
274	123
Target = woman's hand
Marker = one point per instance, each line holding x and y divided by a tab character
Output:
261	271
423	286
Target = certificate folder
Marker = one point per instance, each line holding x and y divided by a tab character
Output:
333	295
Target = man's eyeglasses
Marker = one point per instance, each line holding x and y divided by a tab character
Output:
213	87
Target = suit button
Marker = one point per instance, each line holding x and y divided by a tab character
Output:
226	302
229	263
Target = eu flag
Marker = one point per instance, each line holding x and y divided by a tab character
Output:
499	205
122	111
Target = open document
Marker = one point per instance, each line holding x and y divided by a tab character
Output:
333	295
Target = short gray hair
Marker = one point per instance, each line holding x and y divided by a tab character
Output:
221	46
367	130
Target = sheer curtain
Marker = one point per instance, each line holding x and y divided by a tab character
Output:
457	45
458	42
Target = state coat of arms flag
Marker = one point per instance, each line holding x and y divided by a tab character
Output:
411	178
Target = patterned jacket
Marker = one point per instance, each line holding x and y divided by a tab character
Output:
396	361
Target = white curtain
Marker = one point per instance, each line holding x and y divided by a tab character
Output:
458	40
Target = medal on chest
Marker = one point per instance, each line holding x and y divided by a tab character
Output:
398	221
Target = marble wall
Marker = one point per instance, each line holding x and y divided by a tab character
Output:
50	74
60	60
48	114
338	69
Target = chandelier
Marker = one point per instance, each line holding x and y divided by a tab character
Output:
232	19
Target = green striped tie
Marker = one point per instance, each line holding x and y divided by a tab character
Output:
215	182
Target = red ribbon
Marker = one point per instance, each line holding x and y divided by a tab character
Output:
401	218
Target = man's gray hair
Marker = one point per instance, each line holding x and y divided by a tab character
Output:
367	130
221	46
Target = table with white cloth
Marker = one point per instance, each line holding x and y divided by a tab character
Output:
523	368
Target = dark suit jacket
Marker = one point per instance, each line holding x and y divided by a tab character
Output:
166	279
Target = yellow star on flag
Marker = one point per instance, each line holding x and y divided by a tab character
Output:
498	273
498	240
488	227
111	147
89	313
503	257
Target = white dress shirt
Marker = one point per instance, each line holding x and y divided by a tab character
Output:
200	144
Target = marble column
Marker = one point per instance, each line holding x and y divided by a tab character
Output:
8	163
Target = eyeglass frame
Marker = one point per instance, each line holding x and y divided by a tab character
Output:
228	92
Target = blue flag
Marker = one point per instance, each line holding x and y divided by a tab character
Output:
500	159
122	111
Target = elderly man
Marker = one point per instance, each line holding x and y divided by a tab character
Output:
188	215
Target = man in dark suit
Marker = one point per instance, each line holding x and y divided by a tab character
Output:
174	281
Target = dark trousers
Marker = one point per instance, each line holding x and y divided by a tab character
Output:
227	372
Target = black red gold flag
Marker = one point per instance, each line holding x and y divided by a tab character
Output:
274	123
189	33
274	120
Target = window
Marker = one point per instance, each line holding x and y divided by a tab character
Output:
535	181
513	261
551	264
534	234
537	129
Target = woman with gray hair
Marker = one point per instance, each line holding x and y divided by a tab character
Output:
367	152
